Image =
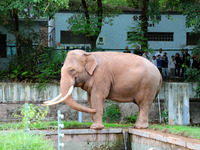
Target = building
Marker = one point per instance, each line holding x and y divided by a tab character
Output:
170	33
7	40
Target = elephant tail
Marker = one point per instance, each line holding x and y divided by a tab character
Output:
160	85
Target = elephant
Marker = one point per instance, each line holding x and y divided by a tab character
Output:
122	77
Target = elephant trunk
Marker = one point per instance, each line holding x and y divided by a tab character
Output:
73	104
70	101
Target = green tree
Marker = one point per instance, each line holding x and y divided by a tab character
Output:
13	10
150	9
116	2
90	19
191	9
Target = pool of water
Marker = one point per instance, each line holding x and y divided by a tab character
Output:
116	139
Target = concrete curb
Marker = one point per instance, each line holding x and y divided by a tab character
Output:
185	143
168	138
83	131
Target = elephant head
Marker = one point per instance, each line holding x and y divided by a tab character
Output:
78	67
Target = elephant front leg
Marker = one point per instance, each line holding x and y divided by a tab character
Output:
97	103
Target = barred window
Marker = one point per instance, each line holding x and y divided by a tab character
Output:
192	39
3	45
160	36
156	36
67	37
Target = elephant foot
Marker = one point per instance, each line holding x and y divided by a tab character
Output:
141	125
97	126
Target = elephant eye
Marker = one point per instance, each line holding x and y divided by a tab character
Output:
72	71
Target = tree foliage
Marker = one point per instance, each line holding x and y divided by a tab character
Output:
37	65
150	9
191	9
13	10
90	19
116	2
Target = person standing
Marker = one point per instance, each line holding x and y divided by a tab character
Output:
182	53
186	58
195	63
178	65
126	50
186	62
159	53
172	64
165	54
159	64
146	55
154	61
182	62
137	51
165	67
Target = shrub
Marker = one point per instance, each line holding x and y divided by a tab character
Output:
2	74
164	116
41	65
112	113
31	114
49	66
16	140
22	68
132	118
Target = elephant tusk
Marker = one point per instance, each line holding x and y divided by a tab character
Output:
61	100
53	100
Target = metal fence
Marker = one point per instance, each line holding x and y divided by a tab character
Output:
26	129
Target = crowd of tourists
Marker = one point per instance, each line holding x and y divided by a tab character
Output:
175	67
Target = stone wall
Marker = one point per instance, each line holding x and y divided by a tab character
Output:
14	95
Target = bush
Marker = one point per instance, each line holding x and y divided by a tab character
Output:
16	140
164	116
132	118
193	73
2	74
49	66
41	65
112	113
31	115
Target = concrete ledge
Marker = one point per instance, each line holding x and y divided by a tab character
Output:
84	131
184	142
139	138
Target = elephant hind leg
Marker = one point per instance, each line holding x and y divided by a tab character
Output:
144	103
142	120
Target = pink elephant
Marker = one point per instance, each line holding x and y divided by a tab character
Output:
122	77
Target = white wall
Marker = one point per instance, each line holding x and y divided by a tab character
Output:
115	35
27	92
51	32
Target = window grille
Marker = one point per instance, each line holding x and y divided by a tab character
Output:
67	37
160	36
192	39
3	45
156	36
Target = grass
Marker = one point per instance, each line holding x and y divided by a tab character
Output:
18	140
187	131
53	125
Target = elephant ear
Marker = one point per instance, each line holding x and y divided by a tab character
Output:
91	63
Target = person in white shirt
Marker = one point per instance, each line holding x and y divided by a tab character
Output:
146	55
172	64
154	61
159	53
